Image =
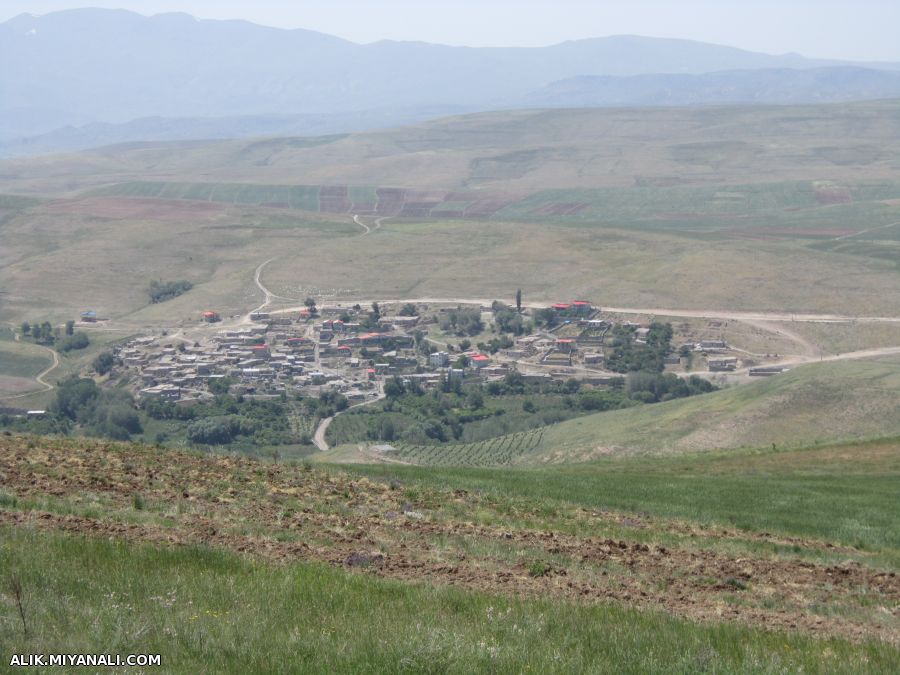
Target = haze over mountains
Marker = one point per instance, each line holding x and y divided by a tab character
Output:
89	77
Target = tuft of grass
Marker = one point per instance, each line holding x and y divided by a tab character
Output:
539	568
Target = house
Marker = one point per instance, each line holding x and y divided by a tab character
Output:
404	321
558	358
371	339
767	371
261	351
565	344
439	360
582	307
712	346
593	359
722	365
211	317
89	317
166	392
480	361
536	377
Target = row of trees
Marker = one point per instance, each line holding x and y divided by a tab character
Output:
44	333
160	291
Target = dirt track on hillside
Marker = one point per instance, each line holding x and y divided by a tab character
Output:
354	522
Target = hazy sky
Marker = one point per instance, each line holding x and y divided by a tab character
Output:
857	30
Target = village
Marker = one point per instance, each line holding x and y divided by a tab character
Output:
346	349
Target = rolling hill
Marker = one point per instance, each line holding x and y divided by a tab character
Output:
819	403
642	206
762	86
518	150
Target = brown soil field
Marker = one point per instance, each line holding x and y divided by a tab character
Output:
10	385
290	513
168	210
835	195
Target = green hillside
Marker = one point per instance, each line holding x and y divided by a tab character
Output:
841	400
814	403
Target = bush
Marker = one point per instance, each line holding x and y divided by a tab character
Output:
79	340
218	430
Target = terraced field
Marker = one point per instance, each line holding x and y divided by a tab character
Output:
499	451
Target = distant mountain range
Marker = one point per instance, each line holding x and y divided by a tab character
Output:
113	75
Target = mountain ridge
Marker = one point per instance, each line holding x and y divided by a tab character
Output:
115	66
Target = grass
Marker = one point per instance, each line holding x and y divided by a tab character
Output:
814	403
207	611
19	359
844	493
111	259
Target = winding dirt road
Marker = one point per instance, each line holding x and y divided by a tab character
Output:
39	378
319	436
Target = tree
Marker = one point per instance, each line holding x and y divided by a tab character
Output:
70	327
376	312
74	394
46	332
387	432
409	309
103	363
519	300
475	399
26	328
219	385
310	303
464	345
394	388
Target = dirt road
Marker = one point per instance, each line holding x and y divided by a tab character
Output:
319	436
39	378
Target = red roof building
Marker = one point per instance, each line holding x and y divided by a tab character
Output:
480	360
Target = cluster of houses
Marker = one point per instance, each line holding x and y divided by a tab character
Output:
332	349
278	354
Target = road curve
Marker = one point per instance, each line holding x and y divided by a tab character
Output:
319	436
